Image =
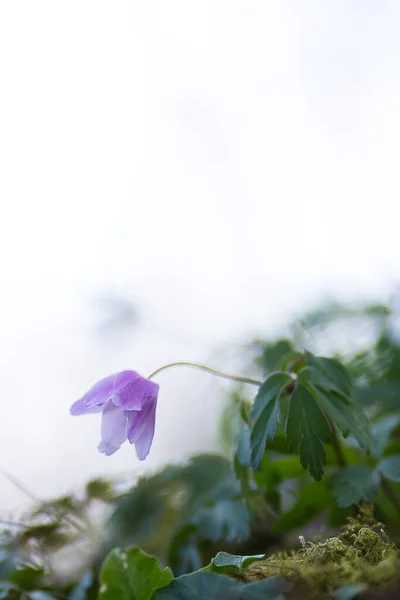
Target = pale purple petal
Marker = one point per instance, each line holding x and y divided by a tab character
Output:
113	429
131	390
97	397
79	408
141	426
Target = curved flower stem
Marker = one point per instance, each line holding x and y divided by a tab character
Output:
208	370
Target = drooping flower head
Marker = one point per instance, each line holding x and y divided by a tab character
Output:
128	402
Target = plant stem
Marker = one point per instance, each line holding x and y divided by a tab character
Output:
208	370
337	446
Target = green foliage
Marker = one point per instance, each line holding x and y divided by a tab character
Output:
264	413
131	575
306	430
390	467
320	438
229	564
355	483
361	555
201	585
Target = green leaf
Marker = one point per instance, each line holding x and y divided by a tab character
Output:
273	472
331	374
227	563
183	555
354	483
100	489
347	416
269	391
390	467
243	446
274	354
382	430
204	585
306	429
227	520
265	413
310	375
8	590
242	459
313	500
131	575
141	513
27	577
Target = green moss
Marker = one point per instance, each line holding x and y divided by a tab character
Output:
362	555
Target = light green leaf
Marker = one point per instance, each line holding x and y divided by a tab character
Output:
306	429
390	467
354	483
265	414
131	574
230	563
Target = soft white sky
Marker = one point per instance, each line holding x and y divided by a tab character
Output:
221	163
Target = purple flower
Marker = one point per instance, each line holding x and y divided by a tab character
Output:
128	402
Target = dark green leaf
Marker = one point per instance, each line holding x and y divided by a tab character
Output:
331	373
306	429
320	382
27	577
348	417
204	585
354	483
390	467
265	414
131	575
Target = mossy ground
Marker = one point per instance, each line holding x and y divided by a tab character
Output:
362	555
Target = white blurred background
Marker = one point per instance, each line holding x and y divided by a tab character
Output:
176	176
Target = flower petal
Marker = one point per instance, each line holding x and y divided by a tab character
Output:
95	398
113	429
79	408
141	425
131	390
